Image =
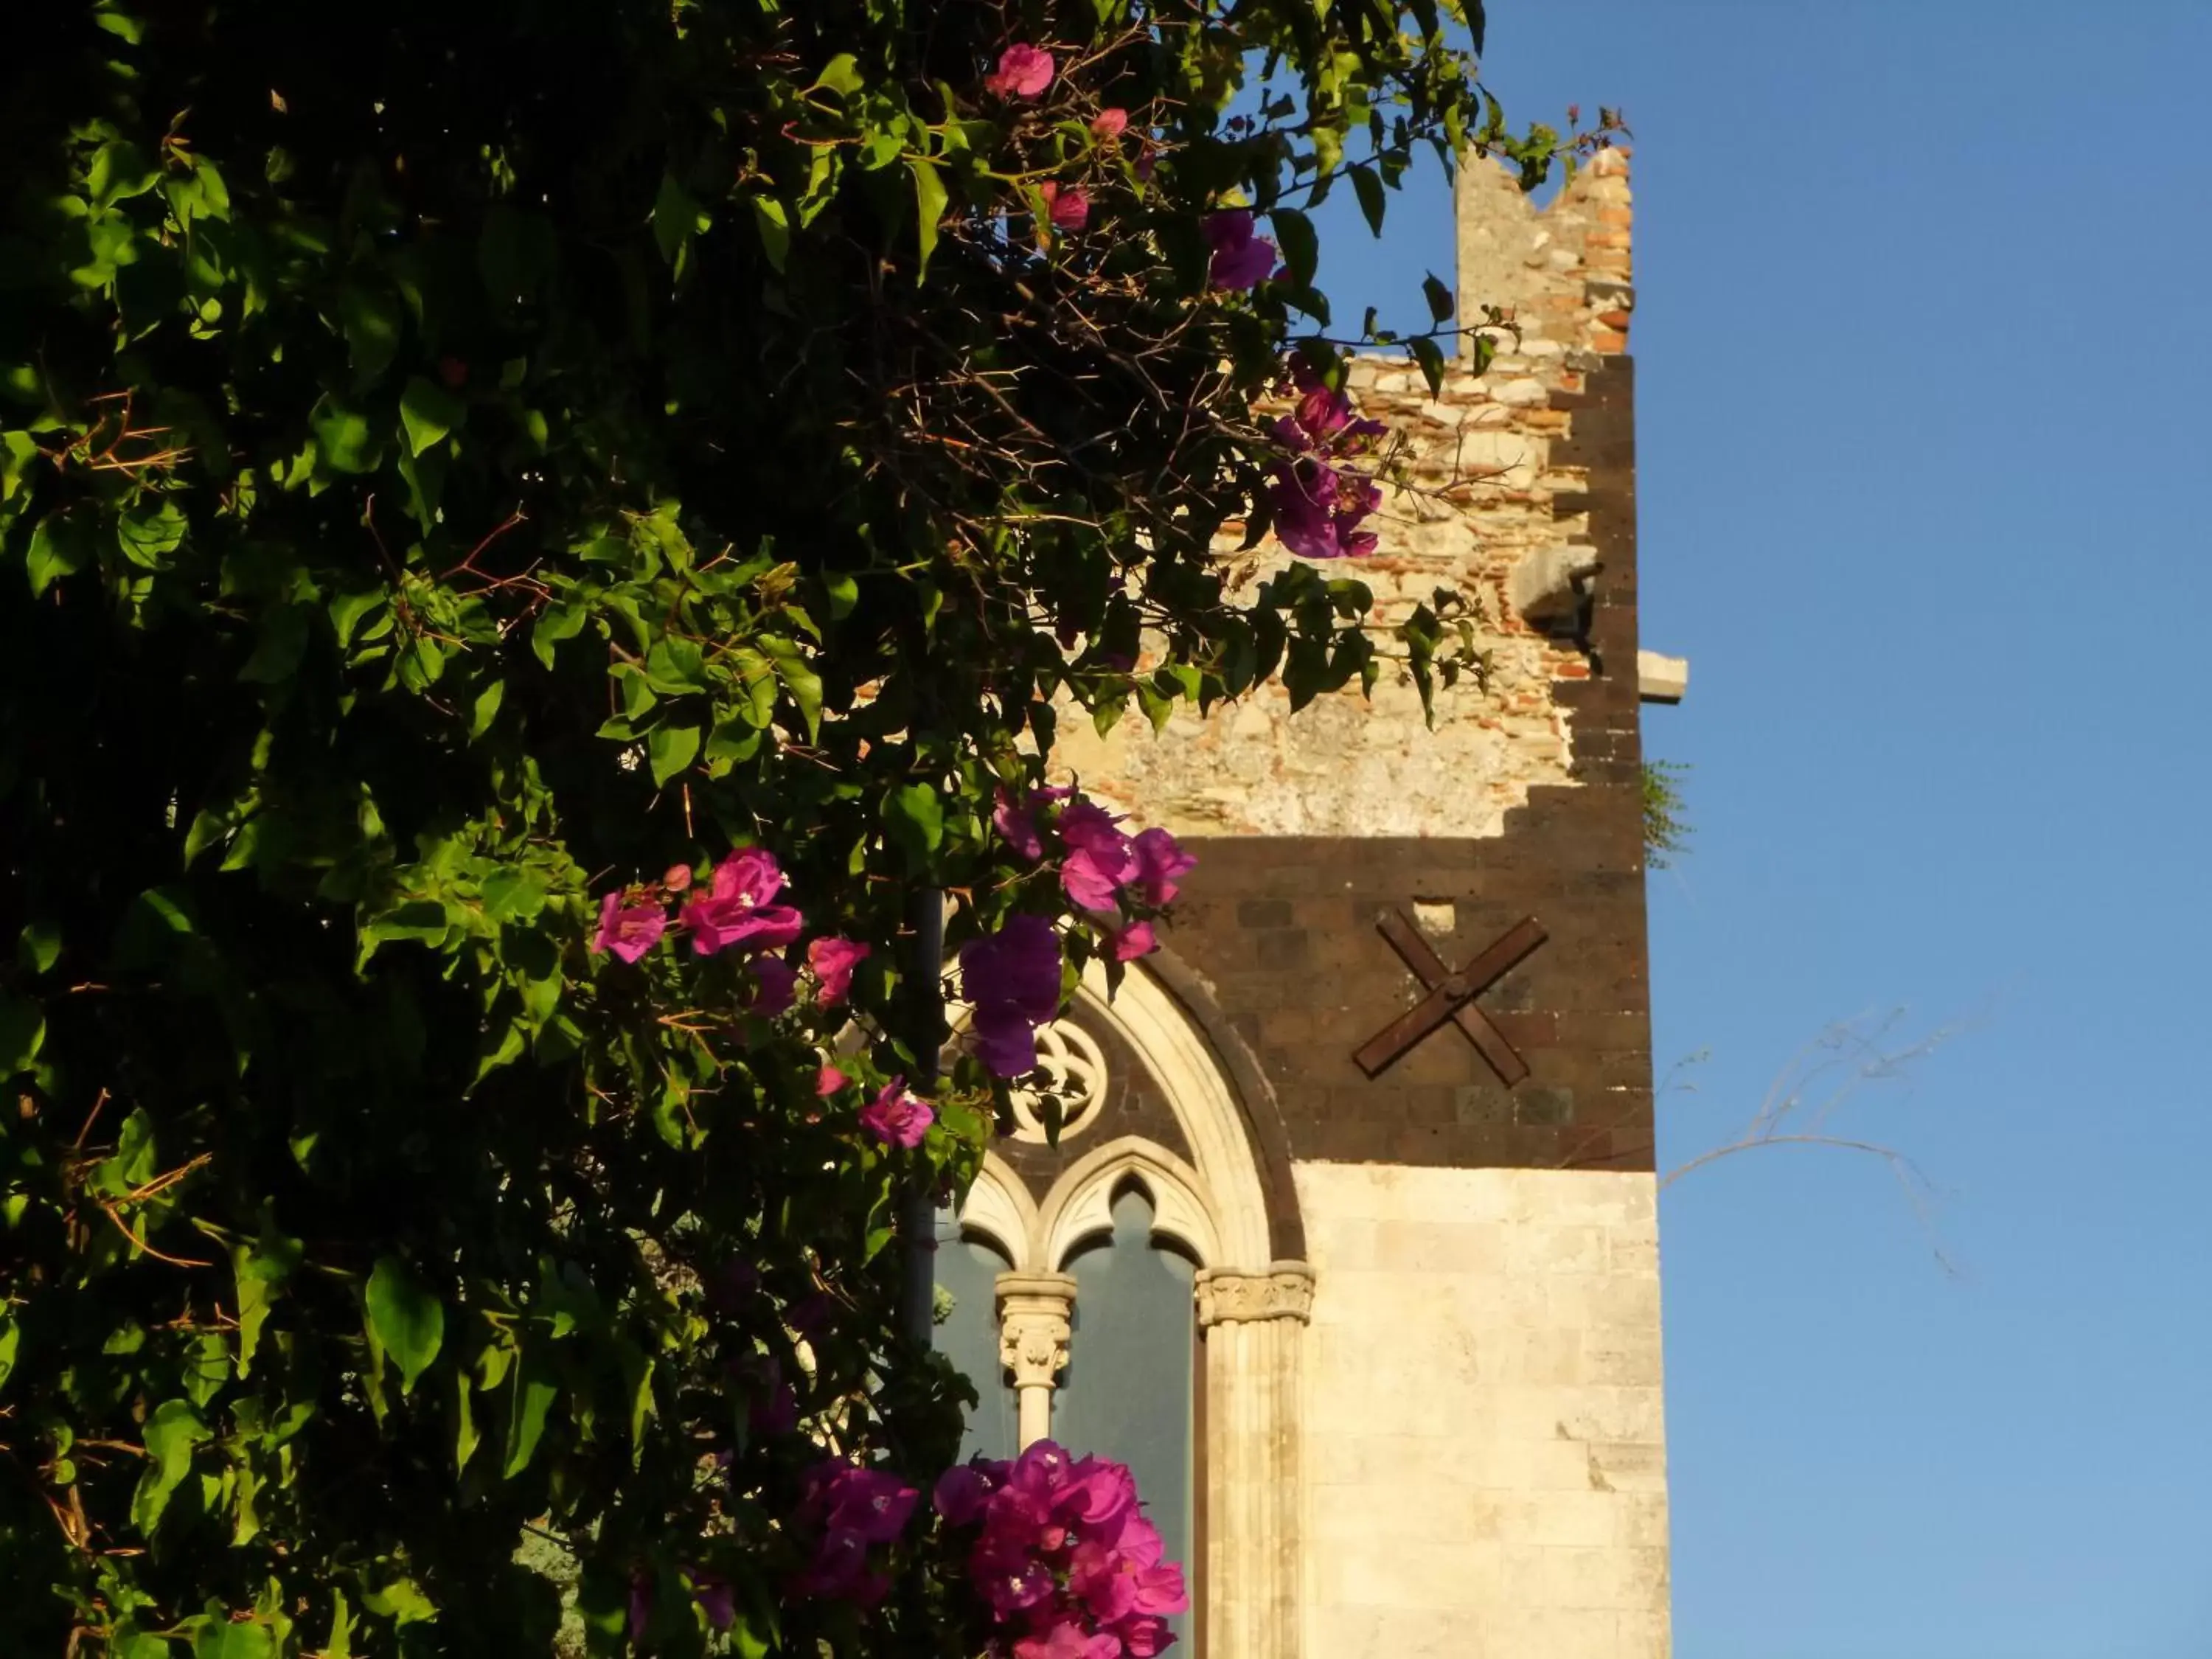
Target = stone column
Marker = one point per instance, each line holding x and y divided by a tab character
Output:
1033	1333
1254	1325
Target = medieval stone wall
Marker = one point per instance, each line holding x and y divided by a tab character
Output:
1483	1444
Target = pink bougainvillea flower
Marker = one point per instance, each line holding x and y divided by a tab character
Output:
896	1117
774	985
1143	1637
961	1494
1091	883
677	877
627	931
736	910
1068	206
1011	982
1067	1639
1024	71
1161	865
873	1502
1135	940
1110	124
829	1080
1016	821
840	1570
833	960
1241	257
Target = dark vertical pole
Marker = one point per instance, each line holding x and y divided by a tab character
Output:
924	1032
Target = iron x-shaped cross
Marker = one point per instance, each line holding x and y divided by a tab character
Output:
1451	996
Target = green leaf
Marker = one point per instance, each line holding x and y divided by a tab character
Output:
347	611
800	680
23	1034
914	818
677	218
171	1434
11	1343
485	709
929	200
227	1640
844	594
526	1423
1369	189
262	1268
466	1438
1439	298
401	1601
120	170
774	227
1431	357
840	75
61	546
148	538
671	749
345	439
405	1319
281	642
428	412
339	1643
1301	246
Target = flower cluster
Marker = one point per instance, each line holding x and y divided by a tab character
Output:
1238	257
1102	870
851	1509
734	912
1063	1556
1010	983
1319	503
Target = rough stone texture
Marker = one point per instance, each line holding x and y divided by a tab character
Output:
1483	1443
1499	466
1485	1435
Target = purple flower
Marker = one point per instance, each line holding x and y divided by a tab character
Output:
840	1570
1110	124
1318	510
736	911
628	930
1090	883
713	1594
774	983
833	961
872	1502
960	1494
1011	982
1241	258
1016	821
896	1117
1024	72
640	1604
1161	865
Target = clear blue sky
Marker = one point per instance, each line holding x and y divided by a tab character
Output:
1924	348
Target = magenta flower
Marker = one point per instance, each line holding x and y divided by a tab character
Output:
736	911
640	1604
961	1493
628	930
1024	71
1011	982
1016	822
896	1117
1241	257
840	1570
1110	124
1318	510
1137	940
774	983
872	1502
1069	207
1161	865
829	1080
833	960
1067	1639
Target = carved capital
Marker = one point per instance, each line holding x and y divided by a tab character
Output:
1229	1296
1034	1326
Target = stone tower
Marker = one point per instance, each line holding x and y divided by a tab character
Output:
1425	1381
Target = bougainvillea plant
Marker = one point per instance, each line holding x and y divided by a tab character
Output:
541	547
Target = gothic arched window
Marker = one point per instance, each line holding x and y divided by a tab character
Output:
1134	1304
